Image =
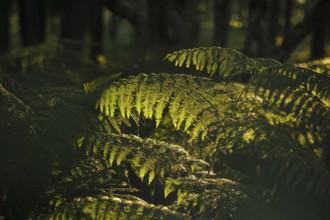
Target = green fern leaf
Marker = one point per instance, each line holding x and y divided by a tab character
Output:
188	99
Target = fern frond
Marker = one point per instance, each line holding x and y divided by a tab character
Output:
303	93
112	207
147	157
281	77
189	99
97	83
225	62
207	198
319	66
15	114
296	163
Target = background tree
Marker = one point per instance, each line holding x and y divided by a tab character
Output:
74	23
260	28
301	30
5	8
319	32
32	21
221	17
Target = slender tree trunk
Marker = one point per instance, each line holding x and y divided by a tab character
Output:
158	30
263	27
95	29
4	25
74	23
114	26
182	21
287	17
319	34
32	21
140	22
273	22
299	32
256	36
221	16
193	18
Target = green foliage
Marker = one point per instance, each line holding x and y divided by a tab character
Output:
106	207
146	157
192	102
165	146
319	66
207	198
226	62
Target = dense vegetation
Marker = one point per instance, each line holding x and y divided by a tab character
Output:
235	138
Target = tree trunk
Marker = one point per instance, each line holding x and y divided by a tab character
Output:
287	17
158	30
263	27
299	32
113	26
32	21
273	22
140	22
182	18
4	25
319	34
74	23
256	36
95	28
221	17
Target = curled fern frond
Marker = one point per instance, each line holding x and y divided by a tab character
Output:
147	157
114	207
225	62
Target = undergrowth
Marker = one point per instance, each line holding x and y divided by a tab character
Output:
243	138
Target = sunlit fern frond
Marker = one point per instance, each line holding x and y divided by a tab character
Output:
319	66
281	77
302	93
193	103
112	207
95	84
209	198
273	144
149	159
225	62
87	177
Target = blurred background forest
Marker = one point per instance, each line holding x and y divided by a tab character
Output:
132	33
49	48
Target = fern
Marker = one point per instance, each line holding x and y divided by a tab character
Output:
268	134
210	198
296	163
319	66
95	84
226	62
301	92
117	207
147	157
187	98
14	112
